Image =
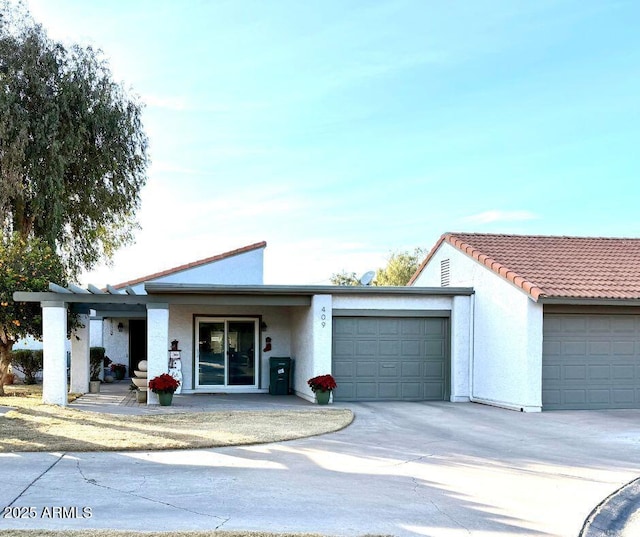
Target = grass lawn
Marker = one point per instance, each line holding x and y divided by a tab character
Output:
28	425
120	533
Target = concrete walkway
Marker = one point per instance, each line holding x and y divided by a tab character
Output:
404	469
116	398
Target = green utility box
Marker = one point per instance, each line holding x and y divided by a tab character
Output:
280	375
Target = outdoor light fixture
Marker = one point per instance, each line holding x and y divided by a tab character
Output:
120	327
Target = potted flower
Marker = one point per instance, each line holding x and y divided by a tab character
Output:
164	385
119	370
322	386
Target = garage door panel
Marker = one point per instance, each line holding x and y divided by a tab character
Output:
343	369
624	348
436	330
389	348
624	325
435	348
411	348
552	348
401	358
366	327
388	390
576	324
388	369
551	372
411	369
574	372
574	348
412	327
367	368
367	347
348	390
624	396
434	370
433	391
388	327
365	391
343	347
551	397
599	372
598	365
599	397
599	348
597	323
623	372
347	328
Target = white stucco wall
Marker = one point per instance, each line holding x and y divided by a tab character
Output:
459	310
311	330
95	333
277	319
241	269
116	344
506	362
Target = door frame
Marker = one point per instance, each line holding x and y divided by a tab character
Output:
226	319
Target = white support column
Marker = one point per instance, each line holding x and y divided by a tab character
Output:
157	344
322	327
54	370
80	356
461	319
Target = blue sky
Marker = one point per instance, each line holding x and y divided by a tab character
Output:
339	131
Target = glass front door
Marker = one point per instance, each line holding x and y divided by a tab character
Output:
226	352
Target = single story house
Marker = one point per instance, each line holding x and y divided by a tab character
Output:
400	343
521	322
555	322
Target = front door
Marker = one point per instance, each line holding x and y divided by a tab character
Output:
137	343
226	355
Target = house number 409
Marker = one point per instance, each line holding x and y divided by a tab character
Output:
323	317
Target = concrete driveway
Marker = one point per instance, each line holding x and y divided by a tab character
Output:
405	469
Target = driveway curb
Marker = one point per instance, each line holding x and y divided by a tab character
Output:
611	516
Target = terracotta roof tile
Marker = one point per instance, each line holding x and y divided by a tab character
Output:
225	255
548	266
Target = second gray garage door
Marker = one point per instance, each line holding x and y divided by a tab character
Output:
591	361
391	358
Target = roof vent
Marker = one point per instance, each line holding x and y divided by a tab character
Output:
445	273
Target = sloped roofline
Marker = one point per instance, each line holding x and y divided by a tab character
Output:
528	287
187	266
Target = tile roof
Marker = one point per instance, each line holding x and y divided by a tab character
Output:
225	255
551	266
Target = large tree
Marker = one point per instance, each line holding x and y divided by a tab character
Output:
400	267
73	159
73	153
397	272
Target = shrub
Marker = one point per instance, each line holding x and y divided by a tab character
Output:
96	357
28	362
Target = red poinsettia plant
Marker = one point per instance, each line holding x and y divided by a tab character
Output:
164	384
322	383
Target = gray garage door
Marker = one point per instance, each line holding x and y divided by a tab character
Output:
591	362
391	358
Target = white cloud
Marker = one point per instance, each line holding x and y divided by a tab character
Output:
489	217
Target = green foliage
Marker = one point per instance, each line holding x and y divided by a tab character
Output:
28	362
344	278
73	153
400	267
398	271
25	265
96	359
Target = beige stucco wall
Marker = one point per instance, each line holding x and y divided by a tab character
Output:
277	319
